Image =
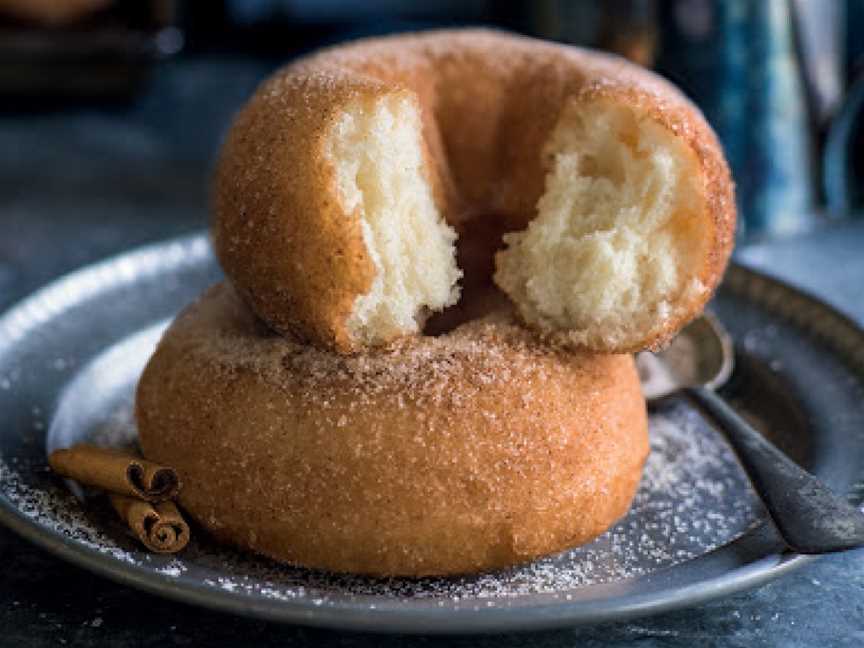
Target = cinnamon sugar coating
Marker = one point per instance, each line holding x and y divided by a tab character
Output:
474	450
488	102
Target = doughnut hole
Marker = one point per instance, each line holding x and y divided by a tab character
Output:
613	256
377	153
480	238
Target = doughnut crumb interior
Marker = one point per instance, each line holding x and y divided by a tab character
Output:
614	252
610	257
375	148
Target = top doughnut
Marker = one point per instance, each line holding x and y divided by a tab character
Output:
344	181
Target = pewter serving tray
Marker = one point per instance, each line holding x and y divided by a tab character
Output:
71	353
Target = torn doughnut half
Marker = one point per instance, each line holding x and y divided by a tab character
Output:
619	255
343	181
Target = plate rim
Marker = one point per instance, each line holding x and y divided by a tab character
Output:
433	621
194	248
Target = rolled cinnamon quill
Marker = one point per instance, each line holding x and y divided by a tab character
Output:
160	527
116	472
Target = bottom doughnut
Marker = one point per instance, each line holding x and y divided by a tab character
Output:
470	451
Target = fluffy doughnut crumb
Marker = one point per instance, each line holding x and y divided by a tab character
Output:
376	150
612	256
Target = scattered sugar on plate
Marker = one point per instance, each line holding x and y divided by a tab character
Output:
61	513
693	498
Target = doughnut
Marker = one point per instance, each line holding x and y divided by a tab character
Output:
344	183
472	450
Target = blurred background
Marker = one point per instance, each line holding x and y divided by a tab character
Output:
111	111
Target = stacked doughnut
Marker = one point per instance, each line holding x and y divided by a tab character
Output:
440	250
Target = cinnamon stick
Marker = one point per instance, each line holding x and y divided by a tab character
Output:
160	527
116	472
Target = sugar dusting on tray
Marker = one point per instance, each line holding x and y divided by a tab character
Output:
692	499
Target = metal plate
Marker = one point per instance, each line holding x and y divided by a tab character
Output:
71	353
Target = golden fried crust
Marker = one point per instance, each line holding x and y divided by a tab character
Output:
489	102
279	230
439	455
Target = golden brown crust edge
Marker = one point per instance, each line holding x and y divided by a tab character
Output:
470	452
300	261
301	273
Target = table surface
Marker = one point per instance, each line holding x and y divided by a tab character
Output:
83	184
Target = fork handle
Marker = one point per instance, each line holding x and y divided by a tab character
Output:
810	518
